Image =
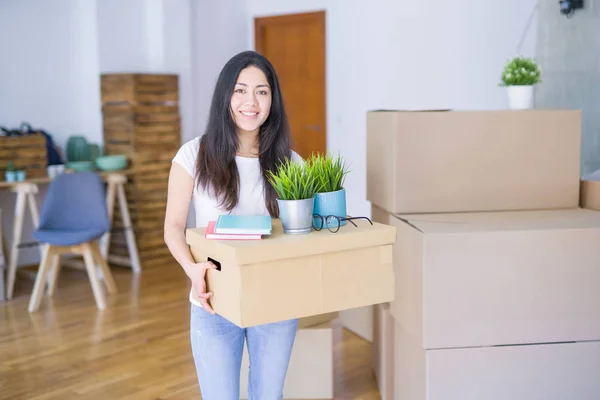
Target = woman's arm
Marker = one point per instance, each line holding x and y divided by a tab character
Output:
181	186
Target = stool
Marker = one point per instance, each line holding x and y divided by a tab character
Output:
26	192
115	186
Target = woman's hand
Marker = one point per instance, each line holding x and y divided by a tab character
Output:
197	274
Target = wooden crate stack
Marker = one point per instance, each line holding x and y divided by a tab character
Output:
26	153
141	120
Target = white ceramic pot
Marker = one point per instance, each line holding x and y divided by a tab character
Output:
520	97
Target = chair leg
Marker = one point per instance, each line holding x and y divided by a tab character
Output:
109	281
55	267
40	280
90	266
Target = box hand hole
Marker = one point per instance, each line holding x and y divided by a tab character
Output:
217	264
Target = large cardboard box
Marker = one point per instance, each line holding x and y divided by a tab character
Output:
485	279
455	161
314	320
590	191
383	350
546	371
310	371
293	276
383	334
359	321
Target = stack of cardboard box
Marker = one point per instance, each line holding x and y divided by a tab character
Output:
497	268
590	191
310	371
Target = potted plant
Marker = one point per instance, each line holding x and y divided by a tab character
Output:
20	175
330	173
295	185
519	77
10	174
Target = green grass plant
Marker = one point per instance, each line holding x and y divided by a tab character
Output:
293	180
329	171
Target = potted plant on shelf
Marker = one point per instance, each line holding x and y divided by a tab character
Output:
330	173
295	185
520	75
10	174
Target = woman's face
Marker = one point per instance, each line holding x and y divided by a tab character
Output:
251	99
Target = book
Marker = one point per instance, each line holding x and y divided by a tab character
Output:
243	224
211	235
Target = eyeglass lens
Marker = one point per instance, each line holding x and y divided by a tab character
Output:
331	222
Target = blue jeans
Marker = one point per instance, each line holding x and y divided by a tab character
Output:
217	347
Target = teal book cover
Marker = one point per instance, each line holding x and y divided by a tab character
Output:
243	224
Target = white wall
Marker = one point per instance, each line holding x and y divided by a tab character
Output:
443	54
122	36
177	57
405	55
49	77
219	31
49	66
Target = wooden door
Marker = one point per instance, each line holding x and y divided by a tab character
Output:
295	45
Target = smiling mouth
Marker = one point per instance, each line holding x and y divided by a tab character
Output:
249	114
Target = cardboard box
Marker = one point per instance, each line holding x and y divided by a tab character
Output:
310	371
590	191
383	350
379	215
485	279
545	371
293	276
314	320
359	321
455	161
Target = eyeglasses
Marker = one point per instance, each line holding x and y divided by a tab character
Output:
333	222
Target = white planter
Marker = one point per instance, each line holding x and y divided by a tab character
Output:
520	97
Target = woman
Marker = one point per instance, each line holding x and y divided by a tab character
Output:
224	171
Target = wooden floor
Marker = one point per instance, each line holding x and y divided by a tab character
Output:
137	349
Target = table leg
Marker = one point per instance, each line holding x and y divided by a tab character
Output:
16	238
110	205
2	262
129	234
2	290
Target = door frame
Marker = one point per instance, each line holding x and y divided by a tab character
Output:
320	18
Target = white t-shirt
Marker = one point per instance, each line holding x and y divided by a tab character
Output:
251	199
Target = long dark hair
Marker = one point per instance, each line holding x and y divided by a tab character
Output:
216	166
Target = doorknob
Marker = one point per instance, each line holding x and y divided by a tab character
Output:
315	128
